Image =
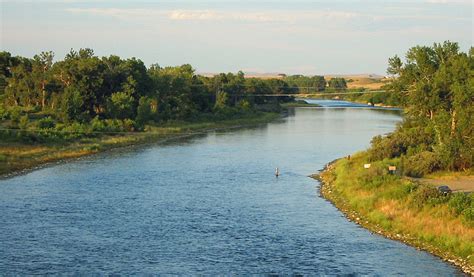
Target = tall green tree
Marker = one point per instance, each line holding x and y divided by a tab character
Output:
437	87
337	83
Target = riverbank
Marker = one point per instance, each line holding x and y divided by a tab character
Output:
298	104
381	99
17	157
398	209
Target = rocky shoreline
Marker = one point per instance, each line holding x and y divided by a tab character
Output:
326	177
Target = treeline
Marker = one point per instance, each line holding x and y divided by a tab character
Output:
115	94
435	85
312	84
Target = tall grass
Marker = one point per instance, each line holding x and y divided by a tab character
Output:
415	212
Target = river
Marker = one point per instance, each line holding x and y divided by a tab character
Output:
205	205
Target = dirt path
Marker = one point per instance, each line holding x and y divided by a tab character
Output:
457	184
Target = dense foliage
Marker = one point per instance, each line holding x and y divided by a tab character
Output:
87	92
337	83
436	87
306	84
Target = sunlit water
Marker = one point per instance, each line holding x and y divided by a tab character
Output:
204	205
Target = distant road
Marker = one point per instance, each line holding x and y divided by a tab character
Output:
456	183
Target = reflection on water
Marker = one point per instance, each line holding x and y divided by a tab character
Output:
204	205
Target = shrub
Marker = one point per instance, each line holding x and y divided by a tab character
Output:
425	194
405	138
129	125
244	105
46	123
75	130
15	114
113	125
459	202
463	204
97	125
23	122
421	164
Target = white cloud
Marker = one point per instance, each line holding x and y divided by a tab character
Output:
217	15
301	16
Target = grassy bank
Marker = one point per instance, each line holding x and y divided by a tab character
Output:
400	209
18	156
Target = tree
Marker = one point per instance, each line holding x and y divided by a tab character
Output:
72	105
437	87
337	83
221	100
85	73
120	105
394	65
20	88
144	110
41	72
306	83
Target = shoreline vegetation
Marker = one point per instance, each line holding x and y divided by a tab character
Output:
57	109
381	188
393	209
17	158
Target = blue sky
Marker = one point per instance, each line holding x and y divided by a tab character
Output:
306	37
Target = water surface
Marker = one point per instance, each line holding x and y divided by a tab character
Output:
204	205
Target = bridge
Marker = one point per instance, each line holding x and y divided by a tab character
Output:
307	95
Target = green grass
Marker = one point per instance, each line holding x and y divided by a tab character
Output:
414	213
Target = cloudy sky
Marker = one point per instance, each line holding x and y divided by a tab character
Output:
307	37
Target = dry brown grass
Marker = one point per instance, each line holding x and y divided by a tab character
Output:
362	81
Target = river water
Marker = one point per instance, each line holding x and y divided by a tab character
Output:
205	205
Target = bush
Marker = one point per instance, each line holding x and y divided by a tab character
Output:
98	125
113	125
75	130
244	105
129	125
426	194
421	164
46	123
15	114
459	202
406	138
